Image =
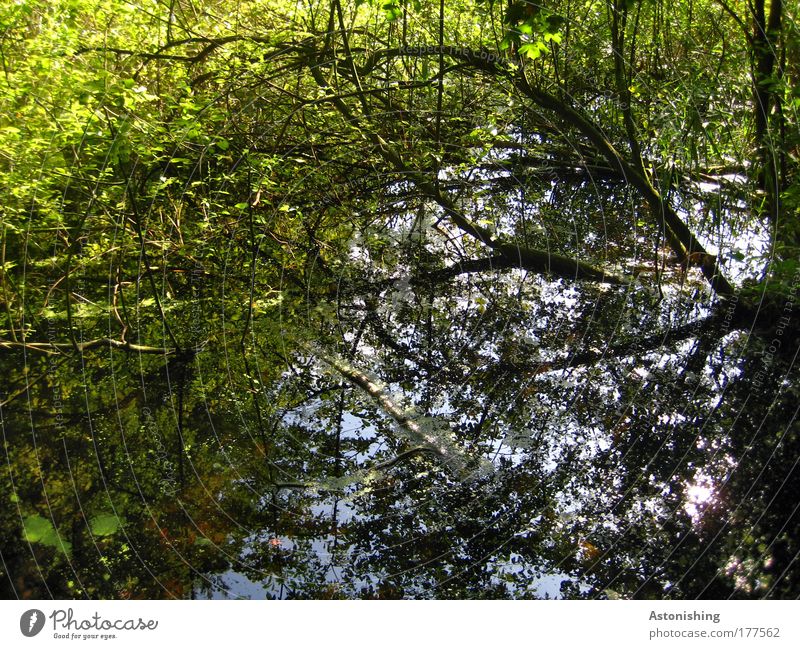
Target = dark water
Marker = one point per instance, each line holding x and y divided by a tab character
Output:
495	436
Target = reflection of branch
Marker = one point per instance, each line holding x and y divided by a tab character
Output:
402	457
680	237
293	485
694	329
495	263
57	348
432	435
524	260
382	466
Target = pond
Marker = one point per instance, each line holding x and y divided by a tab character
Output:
502	436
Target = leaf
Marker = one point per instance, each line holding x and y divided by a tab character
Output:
533	50
105	524
393	11
41	530
37	528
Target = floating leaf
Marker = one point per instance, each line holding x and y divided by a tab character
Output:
41	530
104	524
37	528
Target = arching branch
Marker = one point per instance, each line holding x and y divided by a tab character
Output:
681	239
